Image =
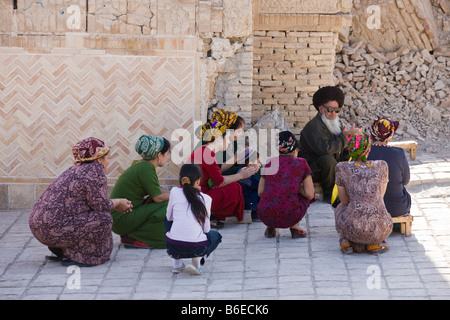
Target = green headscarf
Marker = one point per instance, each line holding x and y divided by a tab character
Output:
359	146
149	146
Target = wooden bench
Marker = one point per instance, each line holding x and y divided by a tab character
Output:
405	224
409	145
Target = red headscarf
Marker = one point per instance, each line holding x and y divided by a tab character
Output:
89	149
382	128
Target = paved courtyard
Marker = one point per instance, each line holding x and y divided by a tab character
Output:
248	266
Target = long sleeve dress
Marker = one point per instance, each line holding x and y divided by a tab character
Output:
73	214
226	200
146	222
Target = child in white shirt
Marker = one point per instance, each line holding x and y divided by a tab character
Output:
188	214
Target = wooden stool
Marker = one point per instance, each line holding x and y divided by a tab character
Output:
405	224
409	145
318	191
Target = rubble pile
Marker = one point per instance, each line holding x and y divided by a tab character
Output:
411	87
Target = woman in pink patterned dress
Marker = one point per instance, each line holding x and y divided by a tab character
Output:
72	216
362	220
287	193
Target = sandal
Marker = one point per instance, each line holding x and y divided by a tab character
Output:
178	270
346	248
270	232
216	223
374	249
67	262
193	270
296	233
131	243
58	252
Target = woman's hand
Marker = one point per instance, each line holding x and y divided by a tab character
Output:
347	132
247	172
122	205
148	200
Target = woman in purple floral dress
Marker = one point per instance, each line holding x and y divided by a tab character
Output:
287	193
362	221
72	216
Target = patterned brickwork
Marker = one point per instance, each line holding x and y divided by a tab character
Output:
49	102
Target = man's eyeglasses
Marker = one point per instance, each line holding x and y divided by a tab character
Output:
331	109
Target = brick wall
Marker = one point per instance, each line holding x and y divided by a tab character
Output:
288	67
402	22
294	45
111	69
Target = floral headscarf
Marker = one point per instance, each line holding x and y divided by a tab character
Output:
210	131
149	146
382	128
225	117
359	146
89	149
287	142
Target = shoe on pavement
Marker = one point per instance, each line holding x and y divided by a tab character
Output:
193	270
178	270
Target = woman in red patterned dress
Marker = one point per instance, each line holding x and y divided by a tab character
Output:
226	193
287	193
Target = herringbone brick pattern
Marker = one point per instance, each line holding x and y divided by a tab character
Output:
49	102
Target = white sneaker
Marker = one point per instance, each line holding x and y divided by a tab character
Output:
178	270
193	270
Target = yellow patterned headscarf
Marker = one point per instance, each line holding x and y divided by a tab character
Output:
225	117
210	131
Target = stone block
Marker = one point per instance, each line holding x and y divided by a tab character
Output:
237	18
4	196
21	196
216	19
204	16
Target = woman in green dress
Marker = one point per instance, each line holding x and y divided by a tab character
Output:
144	226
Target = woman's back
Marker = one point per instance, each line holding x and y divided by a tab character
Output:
364	219
286	181
185	226
396	198
363	182
136	182
281	205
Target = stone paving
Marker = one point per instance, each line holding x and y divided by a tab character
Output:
248	266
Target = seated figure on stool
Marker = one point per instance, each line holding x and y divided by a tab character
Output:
324	138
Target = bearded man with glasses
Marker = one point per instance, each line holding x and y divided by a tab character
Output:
324	138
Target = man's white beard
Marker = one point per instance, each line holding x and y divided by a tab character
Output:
333	126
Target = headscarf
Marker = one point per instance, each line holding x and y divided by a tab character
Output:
210	131
286	142
225	117
382	128
89	149
148	146
359	146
